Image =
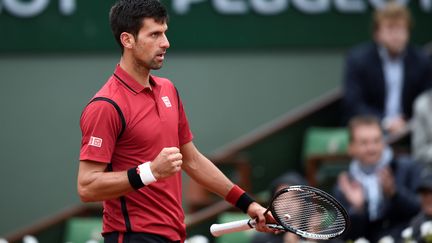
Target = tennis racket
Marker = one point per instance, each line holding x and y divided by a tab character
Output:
303	210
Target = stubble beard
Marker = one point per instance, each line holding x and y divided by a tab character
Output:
154	65
150	65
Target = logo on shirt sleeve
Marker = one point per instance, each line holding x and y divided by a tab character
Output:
166	100
95	141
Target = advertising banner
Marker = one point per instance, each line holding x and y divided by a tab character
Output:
82	26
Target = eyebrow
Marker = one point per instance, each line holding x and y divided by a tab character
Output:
157	30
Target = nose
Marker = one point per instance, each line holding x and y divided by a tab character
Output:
371	148
165	43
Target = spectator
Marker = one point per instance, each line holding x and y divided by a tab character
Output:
285	180
383	77
425	191
422	122
378	190
422	129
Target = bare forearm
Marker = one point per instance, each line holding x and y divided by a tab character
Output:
208	175
96	185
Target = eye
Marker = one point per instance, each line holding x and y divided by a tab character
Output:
155	34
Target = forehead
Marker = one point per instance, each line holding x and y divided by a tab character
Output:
366	131
150	24
393	22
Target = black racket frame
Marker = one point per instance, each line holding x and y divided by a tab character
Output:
305	234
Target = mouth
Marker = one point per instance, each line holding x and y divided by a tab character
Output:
161	55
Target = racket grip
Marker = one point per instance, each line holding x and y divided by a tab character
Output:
231	227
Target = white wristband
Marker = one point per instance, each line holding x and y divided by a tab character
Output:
146	174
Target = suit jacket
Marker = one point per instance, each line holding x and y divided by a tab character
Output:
365	87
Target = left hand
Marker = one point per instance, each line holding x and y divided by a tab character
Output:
256	212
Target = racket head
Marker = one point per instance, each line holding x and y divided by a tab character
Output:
309	212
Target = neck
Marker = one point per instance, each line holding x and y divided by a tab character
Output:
135	70
393	55
388	52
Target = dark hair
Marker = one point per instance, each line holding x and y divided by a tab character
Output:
364	120
128	15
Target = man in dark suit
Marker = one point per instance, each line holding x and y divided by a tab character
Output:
378	189
382	78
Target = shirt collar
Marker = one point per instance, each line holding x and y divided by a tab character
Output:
385	56
123	77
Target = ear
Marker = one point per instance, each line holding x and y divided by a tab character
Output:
127	40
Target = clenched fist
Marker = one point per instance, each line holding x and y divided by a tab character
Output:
167	163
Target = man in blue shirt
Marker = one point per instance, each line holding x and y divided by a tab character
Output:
378	190
382	78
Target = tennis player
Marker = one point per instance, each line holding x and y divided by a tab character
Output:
136	139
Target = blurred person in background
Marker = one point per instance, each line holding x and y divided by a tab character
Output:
428	49
422	122
383	77
136	140
424	218
422	129
283	181
378	190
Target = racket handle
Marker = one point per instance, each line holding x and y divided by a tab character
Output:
231	227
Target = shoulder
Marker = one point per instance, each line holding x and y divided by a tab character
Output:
110	90
114	94
363	51
406	165
101	114
106	101
414	53
100	108
423	102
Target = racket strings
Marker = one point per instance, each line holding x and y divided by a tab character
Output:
308	212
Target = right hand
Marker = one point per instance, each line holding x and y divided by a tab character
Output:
396	125
167	163
257	212
352	190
